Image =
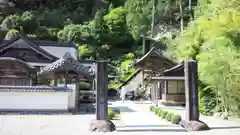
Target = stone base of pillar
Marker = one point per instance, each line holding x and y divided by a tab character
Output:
102	126
194	125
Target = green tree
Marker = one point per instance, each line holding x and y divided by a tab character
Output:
29	22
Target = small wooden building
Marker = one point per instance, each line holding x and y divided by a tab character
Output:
168	92
171	88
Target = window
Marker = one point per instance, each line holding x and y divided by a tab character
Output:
180	87
175	87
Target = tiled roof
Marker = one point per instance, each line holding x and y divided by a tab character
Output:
52	43
67	62
7	88
5	44
43	43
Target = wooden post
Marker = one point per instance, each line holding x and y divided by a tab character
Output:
102	89
166	87
93	89
191	90
55	80
155	86
66	78
76	107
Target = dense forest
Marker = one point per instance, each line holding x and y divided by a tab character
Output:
205	30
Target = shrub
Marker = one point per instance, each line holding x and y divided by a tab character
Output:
156	110
111	114
164	114
159	112
175	119
169	116
152	108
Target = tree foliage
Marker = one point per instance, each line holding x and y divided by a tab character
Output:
213	40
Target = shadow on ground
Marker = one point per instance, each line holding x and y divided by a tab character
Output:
147	126
230	127
122	109
151	130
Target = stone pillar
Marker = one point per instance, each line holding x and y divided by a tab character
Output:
192	122
191	90
102	90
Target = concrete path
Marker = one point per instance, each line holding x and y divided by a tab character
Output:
136	118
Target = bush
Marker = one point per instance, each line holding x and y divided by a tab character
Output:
159	112
169	116
164	114
152	108
111	114
175	119
156	111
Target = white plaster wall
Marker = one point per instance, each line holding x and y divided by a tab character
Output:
60	51
34	100
132	84
72	95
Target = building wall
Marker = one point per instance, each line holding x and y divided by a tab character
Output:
72	95
34	100
132	84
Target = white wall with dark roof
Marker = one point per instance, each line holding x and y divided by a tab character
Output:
60	51
34	100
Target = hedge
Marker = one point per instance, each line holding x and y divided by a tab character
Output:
164	114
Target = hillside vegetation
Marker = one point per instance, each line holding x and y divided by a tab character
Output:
204	30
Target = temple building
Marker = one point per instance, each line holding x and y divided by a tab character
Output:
152	65
30	73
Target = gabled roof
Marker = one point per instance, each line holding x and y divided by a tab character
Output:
177	70
7	44
66	63
156	60
53	44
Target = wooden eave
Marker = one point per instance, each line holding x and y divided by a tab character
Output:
66	66
153	60
174	73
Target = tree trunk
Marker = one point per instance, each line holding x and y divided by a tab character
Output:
190	10
153	18
181	15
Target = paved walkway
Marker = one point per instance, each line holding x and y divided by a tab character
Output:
137	118
133	118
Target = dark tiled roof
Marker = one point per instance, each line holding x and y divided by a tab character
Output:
6	88
67	62
40	42
35	46
154	51
52	43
